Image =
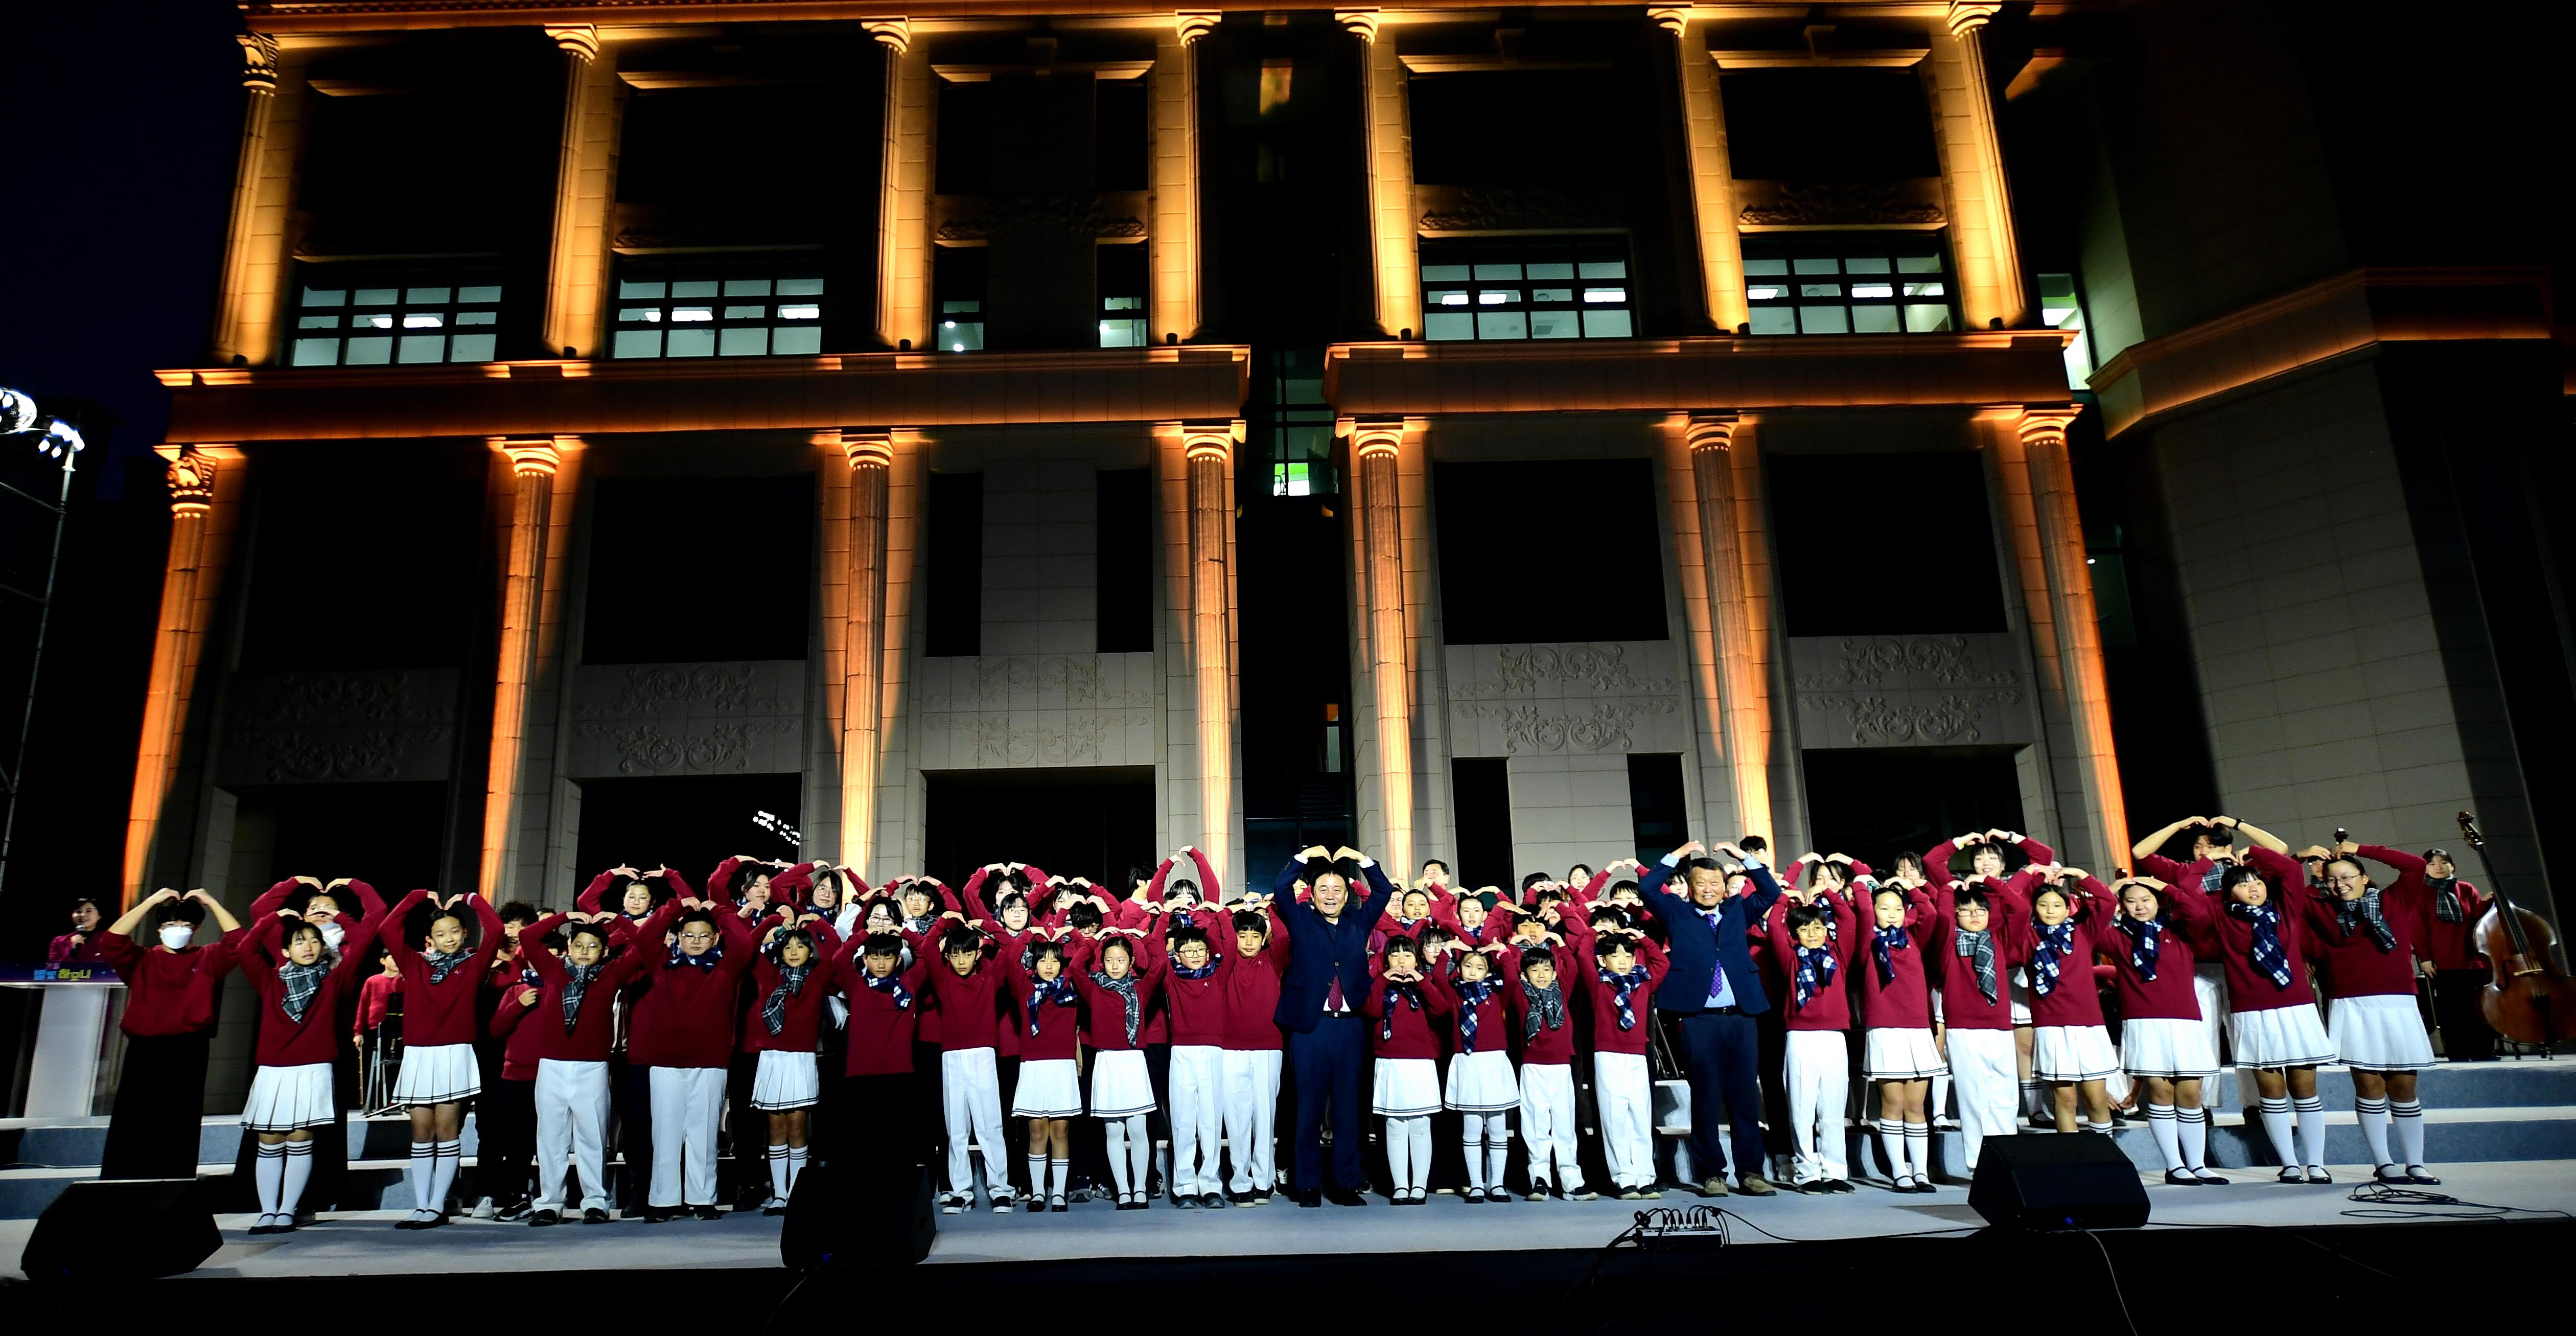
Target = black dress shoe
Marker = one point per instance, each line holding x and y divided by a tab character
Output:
1345	1197
1211	1202
1308	1198
707	1212
659	1215
594	1216
544	1218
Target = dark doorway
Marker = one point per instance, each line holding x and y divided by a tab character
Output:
1481	796
390	836
1094	822
1657	807
688	823
1874	803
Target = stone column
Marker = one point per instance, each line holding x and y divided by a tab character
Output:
272	137
1209	450
1712	180
205	501
903	189
532	469
871	456
1394	235
1377	507
1972	171
2105	817
585	197
1743	685
1173	87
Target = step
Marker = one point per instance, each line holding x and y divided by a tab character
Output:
73	1143
2456	1085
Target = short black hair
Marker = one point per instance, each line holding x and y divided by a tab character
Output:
960	939
1252	920
2223	836
561	938
1609	942
812	947
1399	942
1529	879
1800	916
300	928
1753	844
1083	915
1177	885
1607	913
182	910
1041	949
513	911
881	944
1537	955
1189	934
1439	863
1970	895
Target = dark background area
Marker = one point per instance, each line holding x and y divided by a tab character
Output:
1094	822
687	823
1876	803
1884	544
1509	575
696	568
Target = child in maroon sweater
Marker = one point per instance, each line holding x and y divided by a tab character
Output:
2159	939
1252	1051
2366	943
782	1029
1543	1017
1406	1001
878	1112
292	1092
682	1033
1049	1091
442	976
1813	942
1896	1014
968	993
1119	974
1627	968
1480	1086
565	1033
169	1025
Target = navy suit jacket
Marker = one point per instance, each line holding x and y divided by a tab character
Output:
1318	948
1697	952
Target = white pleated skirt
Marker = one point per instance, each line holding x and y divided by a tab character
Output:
2163	1047
1891	1054
2381	1033
283	1099
1483	1082
2020	998
1049	1088
1408	1088
2277	1037
1120	1085
786	1081
2072	1053
438	1074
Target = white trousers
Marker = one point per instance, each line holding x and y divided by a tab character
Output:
970	1095
572	1132
688	1109
1986	1073
1251	1115
1198	1118
1547	1125
1819	1075
1620	1087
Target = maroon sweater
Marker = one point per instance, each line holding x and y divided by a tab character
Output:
1903	1001
2074	1000
2353	963
518	1048
1963	1005
1607	1037
1057	1025
1201	1011
686	1016
970	1005
170	992
283	1040
2450	946
2187	935
1830	1007
802	1026
1493	1014
444	1012
1416	1031
1104	1024
2249	989
543	1035
1548	1047
880	1033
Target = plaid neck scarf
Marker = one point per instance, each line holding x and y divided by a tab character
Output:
1627	985
443	963
2365	912
791	981
2049	961
1412	995
577	981
2446	899
1125	987
1471	996
1815	970
2265	951
1980	948
298	984
2217	872
2146	942
706	961
1054	990
892	986
1883	944
1546	1008
919	925
1181	971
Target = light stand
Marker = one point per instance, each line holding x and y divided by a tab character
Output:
60	439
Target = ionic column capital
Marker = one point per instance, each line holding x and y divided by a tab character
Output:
1671	19
1211	440
1193	24
1359	23
539	457
1966	16
192	482
2047	423
578	40
894	32
1384	436
867	449
1712	431
259	62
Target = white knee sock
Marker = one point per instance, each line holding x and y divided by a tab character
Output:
270	1169
1891	1147
450	1156
2164	1127
2408	1116
795	1168
424	1165
1420	1131
1116	1130
2277	1125
1059	1172
2103	1128
1475	1148
1399	1154
2373	1116
1140	1149
1918	1148
1037	1177
299	1168
2312	1131
1498	1149
2193	1133
2035	1101
778	1170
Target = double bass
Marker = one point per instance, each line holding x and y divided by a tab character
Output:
2530	999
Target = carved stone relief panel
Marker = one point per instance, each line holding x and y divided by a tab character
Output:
688	719
1911	691
340	727
1614	696
1038	710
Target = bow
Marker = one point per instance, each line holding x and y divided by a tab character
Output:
1882	945
1470	997
2056	943
2265	950
1054	990
1627	985
2146	942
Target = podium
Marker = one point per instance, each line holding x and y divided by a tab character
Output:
73	1003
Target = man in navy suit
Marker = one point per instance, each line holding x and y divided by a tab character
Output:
1319	1006
1713	992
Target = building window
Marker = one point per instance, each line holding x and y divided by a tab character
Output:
1301	424
957	284
741	307
2061	308
1533	288
1848	283
1122	296
378	315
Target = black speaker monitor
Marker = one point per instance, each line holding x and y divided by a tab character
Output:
117	1228
837	1218
2057	1181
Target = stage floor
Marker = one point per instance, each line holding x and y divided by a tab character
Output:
366	1244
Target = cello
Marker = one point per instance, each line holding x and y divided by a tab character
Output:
2530	1000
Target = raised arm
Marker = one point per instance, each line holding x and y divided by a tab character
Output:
588	901
1381	891
2149	847
488	940
720	881
1936	862
397	942
273	899
2261	837
1210	889
537	957
364	933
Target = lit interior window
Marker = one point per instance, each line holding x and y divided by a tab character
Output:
1849	283
1563	297
705	299
420	300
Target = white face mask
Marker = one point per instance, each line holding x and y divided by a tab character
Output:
176	936
333	934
